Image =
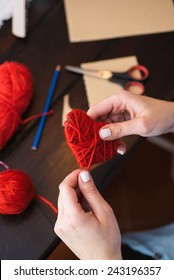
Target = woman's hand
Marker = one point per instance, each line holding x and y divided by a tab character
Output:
86	223
128	113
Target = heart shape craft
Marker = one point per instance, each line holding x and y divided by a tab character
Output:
82	136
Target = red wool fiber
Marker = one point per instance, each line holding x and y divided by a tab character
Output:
82	135
16	90
16	191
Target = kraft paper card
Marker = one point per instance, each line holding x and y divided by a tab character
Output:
97	89
89	20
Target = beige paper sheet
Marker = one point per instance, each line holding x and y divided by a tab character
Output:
97	89
103	19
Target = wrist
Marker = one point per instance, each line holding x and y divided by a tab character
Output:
171	124
114	255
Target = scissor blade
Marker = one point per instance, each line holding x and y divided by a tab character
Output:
74	69
89	72
82	71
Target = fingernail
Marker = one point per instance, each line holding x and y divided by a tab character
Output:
85	176
121	152
105	132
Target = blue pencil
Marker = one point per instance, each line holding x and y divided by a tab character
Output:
46	108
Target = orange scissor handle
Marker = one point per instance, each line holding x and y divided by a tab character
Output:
143	70
134	87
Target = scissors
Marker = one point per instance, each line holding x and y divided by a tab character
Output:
129	80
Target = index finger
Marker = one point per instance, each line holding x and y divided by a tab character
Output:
108	106
68	200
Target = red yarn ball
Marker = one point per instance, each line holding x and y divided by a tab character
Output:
16	90
16	191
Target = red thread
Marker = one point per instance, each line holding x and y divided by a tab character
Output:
17	192
48	203
82	135
50	112
16	90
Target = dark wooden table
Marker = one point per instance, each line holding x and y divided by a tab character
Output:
30	235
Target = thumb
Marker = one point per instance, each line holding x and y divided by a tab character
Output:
118	130
91	194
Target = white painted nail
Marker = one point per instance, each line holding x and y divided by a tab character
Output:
121	152
105	132
85	176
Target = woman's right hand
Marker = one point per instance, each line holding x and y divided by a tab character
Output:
86	222
128	113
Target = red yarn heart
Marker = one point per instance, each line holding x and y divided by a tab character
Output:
82	135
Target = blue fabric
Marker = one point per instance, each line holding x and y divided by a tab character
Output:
157	243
